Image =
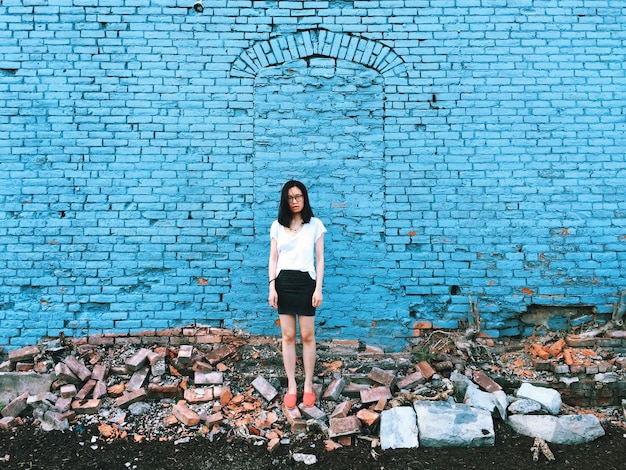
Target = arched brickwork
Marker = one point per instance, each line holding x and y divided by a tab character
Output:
281	49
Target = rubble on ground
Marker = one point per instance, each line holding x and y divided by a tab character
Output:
206	381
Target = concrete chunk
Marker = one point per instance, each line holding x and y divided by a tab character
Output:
567	429
398	428
549	398
444	424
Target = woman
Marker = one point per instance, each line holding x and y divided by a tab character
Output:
296	272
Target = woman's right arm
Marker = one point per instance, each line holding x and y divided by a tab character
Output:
271	271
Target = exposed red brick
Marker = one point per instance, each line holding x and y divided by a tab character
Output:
334	389
78	368
411	381
485	382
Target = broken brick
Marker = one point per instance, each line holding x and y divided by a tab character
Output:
342	410
198	395
375	393
311	412
87	407
137	360
86	390
138	379
16	406
78	368
411	381
426	370
368	417
127	399
383	377
8	422
185	353
264	388
219	354
210	378
68	391
185	415
334	389
64	373
485	382
23	354
169	390
344	426
99	372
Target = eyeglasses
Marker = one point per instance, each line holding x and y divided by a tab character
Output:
297	198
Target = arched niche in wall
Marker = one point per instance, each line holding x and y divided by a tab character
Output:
320	110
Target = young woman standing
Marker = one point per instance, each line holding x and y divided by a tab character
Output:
296	272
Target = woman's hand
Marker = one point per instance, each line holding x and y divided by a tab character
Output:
273	297
317	298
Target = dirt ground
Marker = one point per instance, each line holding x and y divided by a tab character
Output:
149	445
31	448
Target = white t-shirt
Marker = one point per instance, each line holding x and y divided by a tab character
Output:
296	251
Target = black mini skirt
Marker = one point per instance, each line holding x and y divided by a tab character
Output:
295	293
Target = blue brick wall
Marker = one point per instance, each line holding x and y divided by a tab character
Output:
454	150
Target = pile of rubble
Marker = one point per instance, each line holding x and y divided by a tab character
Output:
208	381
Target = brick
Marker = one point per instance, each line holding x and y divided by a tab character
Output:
382	377
78	368
63	404
342	409
291	414
353	390
426	370
43	397
23	354
219	354
375	393
16	406
137	360
127	399
485	382
99	390
185	353
311	412
344	426
138	379
213	418
368	417
209	378
334	389
68	391
99	372
198	395
86	389
8	422
87	407
410	381
185	415
266	389
64	374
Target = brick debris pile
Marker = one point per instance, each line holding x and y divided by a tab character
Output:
192	381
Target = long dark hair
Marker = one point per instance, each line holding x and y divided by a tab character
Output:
284	211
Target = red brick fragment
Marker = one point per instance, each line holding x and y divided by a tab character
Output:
375	393
344	426
383	377
334	389
185	415
485	382
78	368
426	370
368	417
411	381
127	399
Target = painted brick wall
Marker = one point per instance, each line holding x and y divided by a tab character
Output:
455	150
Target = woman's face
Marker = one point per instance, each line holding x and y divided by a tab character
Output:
295	199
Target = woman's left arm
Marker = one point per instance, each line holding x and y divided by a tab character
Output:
319	271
